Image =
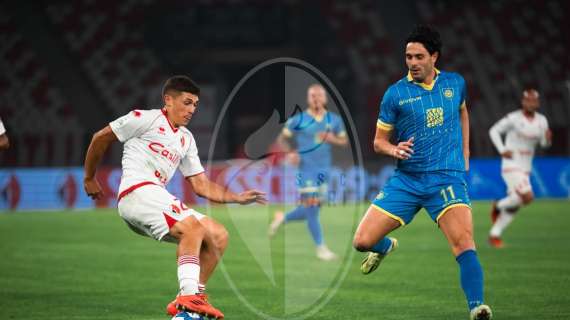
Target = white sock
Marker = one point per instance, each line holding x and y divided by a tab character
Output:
188	274
511	201
501	224
201	288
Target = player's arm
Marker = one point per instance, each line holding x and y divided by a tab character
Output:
546	139
97	148
4	142
496	132
284	142
205	188
382	145
465	131
335	139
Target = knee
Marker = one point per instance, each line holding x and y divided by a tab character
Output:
462	243
361	243
220	238
191	227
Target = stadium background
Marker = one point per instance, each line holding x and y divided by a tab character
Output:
68	68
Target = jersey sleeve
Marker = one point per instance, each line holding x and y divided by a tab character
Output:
338	126
190	164
463	92
2	129
497	130
544	142
388	111
132	124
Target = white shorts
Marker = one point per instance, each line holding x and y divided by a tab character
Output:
151	210
517	181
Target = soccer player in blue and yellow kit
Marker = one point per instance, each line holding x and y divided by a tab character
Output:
313	132
426	114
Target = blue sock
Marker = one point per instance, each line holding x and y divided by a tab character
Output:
314	224
471	275
382	246
299	213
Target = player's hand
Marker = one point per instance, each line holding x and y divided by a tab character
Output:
325	137
93	188
293	158
507	154
251	196
548	135
404	149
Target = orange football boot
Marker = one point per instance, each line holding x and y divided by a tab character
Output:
198	303
496	242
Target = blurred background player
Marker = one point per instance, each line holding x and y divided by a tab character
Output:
524	130
4	141
156	143
313	132
427	114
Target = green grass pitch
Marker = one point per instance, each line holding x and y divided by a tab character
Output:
89	265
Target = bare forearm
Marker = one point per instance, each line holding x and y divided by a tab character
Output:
465	132
340	141
382	146
95	152
211	191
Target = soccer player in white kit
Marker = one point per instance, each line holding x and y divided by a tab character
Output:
524	129
4	141
156	143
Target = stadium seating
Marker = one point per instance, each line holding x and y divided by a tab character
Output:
42	125
106	37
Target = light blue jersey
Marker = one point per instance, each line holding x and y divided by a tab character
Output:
304	129
430	114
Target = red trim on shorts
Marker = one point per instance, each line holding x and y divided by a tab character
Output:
170	221
170	124
133	188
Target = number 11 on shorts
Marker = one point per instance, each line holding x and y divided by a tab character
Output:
449	190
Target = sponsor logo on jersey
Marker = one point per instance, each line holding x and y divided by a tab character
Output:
410	100
161	130
159	148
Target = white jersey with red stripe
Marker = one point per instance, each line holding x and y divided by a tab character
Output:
153	149
522	136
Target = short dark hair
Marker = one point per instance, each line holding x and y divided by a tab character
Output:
179	84
428	36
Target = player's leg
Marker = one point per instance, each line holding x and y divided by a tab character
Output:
191	235
519	194
372	230
457	226
213	247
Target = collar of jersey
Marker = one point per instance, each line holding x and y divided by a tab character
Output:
164	112
428	87
317	118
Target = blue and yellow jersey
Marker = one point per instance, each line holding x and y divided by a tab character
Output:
305	128
430	114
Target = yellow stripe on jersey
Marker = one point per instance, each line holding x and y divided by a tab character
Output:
384	125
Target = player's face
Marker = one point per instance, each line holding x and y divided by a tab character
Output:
181	107
530	101
316	97
419	61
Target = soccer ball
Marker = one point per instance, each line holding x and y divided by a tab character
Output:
183	315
